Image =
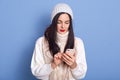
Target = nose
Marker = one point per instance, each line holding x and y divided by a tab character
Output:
63	25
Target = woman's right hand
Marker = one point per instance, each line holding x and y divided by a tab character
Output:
56	60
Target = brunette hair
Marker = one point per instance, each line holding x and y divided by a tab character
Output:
50	35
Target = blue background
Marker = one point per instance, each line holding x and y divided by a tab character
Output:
97	22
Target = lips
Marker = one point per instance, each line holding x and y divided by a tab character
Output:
62	30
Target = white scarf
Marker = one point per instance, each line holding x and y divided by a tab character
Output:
61	72
61	40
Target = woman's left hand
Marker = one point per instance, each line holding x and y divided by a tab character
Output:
69	59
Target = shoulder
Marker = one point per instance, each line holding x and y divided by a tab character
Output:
79	44
78	40
40	40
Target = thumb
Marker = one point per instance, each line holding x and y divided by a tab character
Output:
75	54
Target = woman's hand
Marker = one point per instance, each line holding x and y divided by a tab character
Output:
56	60
69	59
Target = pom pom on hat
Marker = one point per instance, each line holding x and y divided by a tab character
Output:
61	7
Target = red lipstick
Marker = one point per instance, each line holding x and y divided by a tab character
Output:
62	30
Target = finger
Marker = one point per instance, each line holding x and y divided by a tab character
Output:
71	56
71	59
65	60
55	58
74	54
59	55
68	57
55	55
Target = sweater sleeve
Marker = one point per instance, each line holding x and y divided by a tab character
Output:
80	71
38	67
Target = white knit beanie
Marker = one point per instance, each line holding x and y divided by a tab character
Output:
61	7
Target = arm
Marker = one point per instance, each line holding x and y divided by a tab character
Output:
79	71
38	67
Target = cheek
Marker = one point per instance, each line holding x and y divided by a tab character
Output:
58	27
67	27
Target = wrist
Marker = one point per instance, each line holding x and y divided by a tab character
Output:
53	65
74	65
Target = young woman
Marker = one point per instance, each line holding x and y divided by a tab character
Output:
58	55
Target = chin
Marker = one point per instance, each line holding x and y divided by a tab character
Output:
62	32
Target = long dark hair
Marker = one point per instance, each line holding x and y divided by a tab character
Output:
50	35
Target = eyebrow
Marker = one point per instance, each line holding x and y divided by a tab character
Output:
65	21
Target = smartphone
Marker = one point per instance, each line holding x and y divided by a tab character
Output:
71	51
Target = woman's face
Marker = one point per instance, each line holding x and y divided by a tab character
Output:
63	23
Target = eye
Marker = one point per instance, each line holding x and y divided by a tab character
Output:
67	22
58	22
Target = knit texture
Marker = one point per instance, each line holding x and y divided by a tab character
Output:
42	58
61	72
61	40
61	7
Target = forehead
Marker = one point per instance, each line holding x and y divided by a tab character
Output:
64	17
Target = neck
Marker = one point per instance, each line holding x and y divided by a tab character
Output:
62	40
62	37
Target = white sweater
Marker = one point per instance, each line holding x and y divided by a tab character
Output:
41	61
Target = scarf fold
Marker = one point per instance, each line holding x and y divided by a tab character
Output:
61	72
62	40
